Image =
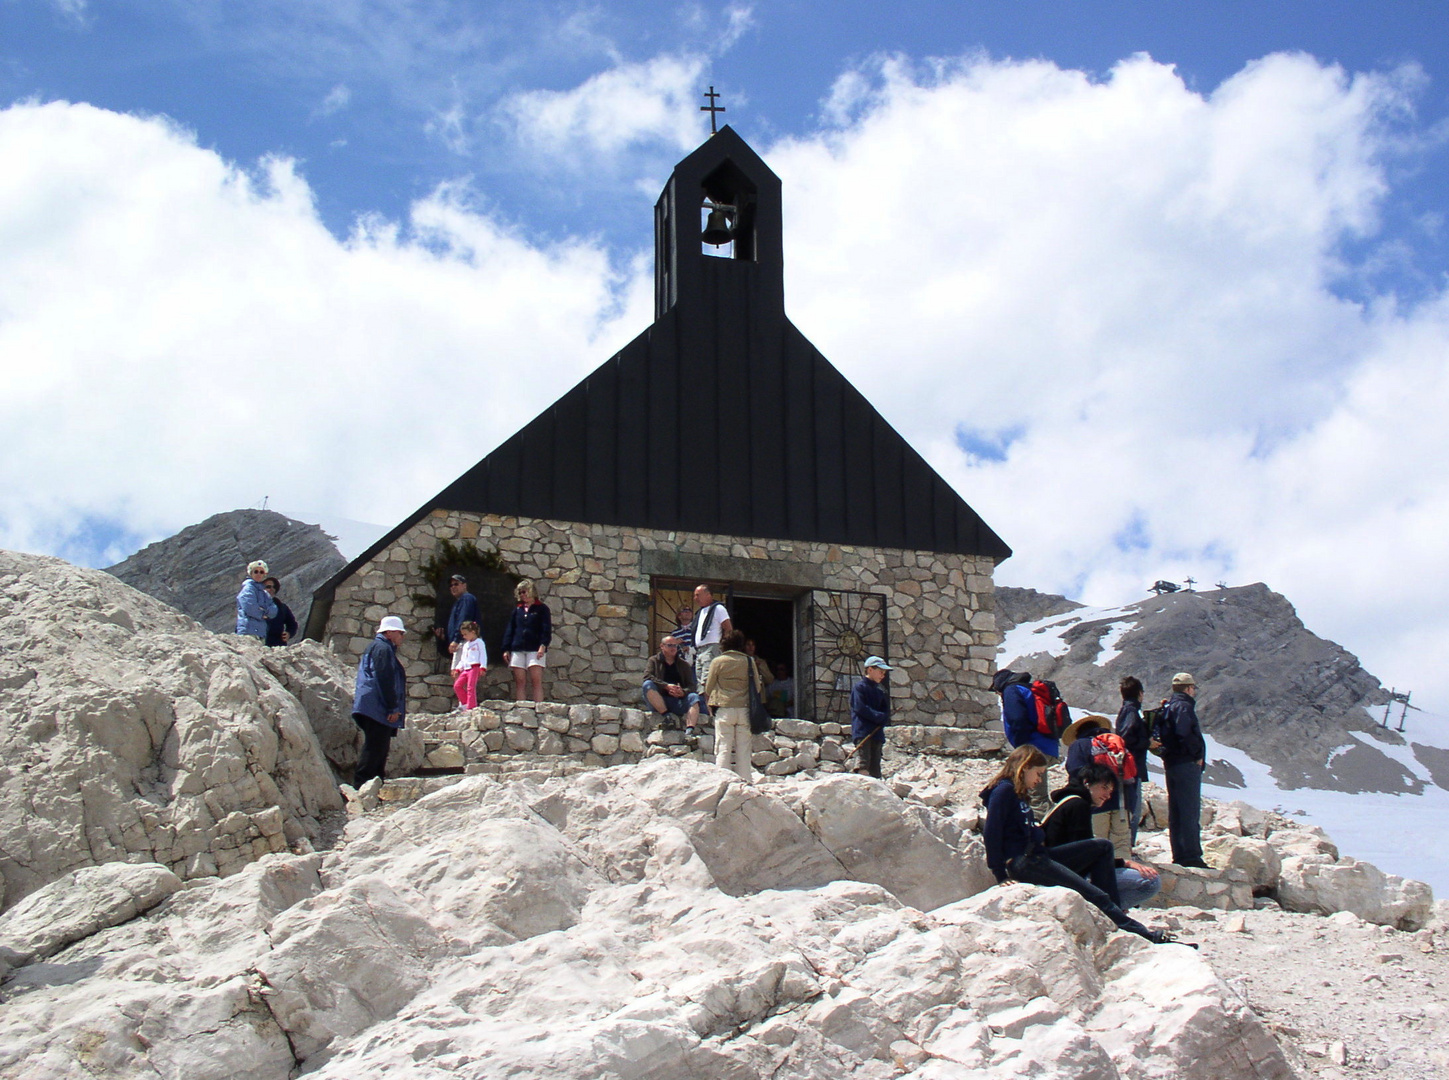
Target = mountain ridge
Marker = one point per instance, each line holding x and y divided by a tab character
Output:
1268	685
198	570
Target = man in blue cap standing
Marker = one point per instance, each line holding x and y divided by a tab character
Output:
870	712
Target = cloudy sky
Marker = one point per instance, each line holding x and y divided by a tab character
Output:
1159	286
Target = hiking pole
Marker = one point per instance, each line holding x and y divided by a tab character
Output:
858	745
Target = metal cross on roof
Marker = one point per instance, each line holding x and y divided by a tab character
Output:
712	109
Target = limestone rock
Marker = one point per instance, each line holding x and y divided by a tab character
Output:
1310	883
641	922
1258	857
131	734
81	903
862	823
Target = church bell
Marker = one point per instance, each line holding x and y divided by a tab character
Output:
717	228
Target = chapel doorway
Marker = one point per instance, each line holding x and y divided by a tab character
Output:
770	621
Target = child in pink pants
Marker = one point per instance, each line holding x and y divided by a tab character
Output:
470	663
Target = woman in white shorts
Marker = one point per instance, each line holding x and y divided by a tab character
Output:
526	640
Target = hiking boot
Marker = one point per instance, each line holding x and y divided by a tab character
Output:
691	737
1165	937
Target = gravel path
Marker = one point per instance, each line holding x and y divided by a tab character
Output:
1348	998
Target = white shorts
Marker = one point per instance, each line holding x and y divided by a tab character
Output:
527	659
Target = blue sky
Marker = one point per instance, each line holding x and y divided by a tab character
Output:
360	92
1160	287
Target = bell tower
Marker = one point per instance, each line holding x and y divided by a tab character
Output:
717	234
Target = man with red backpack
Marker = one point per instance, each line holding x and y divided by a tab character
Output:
1023	719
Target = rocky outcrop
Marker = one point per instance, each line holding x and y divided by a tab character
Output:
1266	684
1015	606
199	570
128	733
645	921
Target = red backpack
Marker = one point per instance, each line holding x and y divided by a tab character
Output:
1108	749
1052	715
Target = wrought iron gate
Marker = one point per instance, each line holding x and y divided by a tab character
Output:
837	631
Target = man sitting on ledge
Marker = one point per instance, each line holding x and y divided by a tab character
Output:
669	687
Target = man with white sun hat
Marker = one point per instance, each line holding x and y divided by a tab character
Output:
379	705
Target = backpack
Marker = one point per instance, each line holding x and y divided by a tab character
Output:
1161	732
1108	749
1052	715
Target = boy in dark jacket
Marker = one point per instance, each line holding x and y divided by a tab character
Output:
1184	754
870	712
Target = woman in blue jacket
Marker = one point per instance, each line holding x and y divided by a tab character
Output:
1016	846
253	605
526	639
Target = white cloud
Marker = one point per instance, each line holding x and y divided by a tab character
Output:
336	100
1126	292
178	337
651	102
77	11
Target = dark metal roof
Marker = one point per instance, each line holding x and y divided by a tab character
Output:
721	417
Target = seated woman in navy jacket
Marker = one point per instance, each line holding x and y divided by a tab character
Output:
1016	846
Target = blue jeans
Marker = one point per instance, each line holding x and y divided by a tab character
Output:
1184	811
677	705
1133	889
1070	866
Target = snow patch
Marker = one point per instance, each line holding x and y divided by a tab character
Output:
1047	636
1384	829
1404	755
1108	649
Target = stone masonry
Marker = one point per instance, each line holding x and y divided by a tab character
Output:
597	581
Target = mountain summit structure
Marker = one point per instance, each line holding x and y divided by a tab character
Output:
719	446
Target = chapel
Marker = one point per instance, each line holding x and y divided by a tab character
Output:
720	447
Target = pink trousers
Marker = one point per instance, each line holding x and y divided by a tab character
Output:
466	686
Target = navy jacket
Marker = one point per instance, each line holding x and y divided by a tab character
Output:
528	630
1182	738
870	709
282	620
1011	829
1018	717
1070	818
465	609
1133	730
381	685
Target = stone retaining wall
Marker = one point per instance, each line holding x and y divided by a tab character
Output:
596	736
598	582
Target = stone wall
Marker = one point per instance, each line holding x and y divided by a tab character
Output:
596	579
498	733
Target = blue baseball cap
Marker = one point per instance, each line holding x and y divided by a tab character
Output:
876	661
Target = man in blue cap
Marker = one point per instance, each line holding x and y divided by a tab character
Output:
870	712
